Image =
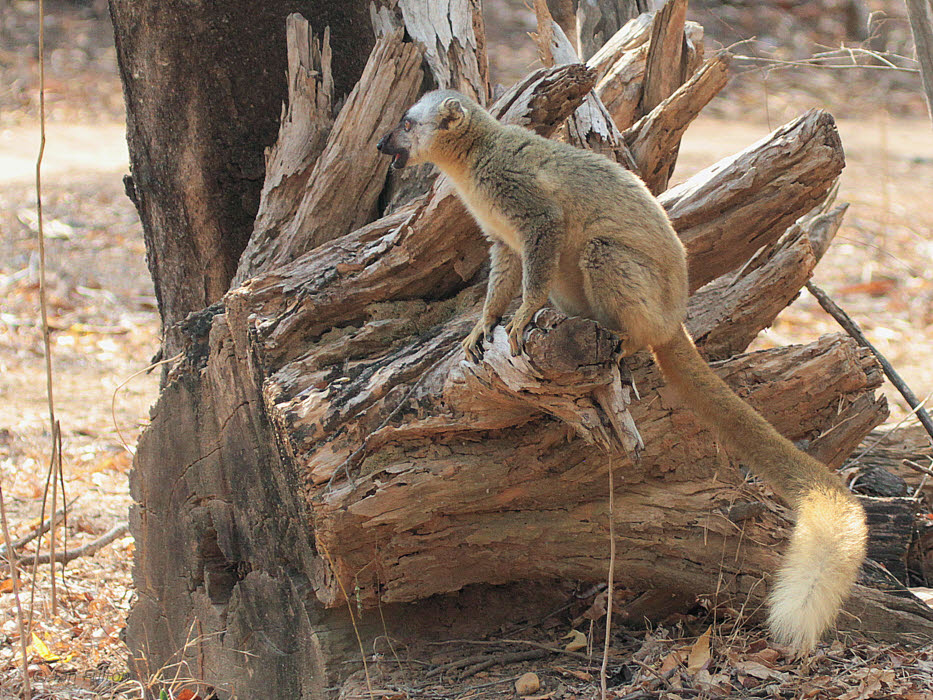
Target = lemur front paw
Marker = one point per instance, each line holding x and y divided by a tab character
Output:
473	343
516	329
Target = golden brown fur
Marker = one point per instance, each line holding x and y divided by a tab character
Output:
572	226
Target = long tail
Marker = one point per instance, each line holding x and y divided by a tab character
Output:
828	543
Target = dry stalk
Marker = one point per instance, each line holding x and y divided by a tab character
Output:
14	574
609	583
356	629
55	465
853	329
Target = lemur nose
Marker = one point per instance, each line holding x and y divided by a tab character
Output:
382	143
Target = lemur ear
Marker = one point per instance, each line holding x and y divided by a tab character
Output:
451	112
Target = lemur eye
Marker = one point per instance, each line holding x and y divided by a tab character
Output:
406	125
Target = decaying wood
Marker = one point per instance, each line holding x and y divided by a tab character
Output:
599	20
450	34
306	121
665	64
734	207
432	471
564	13
341	193
891	532
654	140
455	58
418	403
730	312
622	62
430	248
590	126
878	482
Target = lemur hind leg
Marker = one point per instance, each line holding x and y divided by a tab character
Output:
625	294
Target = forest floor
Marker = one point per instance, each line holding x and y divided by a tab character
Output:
105	329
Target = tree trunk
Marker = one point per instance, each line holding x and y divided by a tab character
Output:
921	25
323	449
203	85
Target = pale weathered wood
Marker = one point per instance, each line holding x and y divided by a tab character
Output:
599	20
431	247
342	191
728	313
622	62
564	13
451	35
307	119
654	140
541	490
726	212
664	69
590	126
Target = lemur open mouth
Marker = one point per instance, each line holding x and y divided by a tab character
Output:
399	155
399	159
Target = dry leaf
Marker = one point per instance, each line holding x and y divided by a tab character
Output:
673	660
42	650
753	668
699	653
577	640
186	694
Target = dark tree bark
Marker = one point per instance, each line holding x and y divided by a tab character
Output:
204	85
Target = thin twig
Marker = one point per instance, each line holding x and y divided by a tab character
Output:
56	443
113	396
609	582
36	532
14	574
926	471
852	328
55	466
56	470
920	487
356	629
504	658
86	550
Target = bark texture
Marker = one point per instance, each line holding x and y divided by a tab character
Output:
203	85
921	25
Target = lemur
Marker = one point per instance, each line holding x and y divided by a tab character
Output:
573	226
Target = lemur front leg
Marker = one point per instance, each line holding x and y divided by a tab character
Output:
505	274
541	245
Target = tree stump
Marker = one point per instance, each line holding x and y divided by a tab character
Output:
324	461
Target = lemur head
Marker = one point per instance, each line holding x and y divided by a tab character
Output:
430	124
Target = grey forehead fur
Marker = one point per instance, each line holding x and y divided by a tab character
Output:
426	107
